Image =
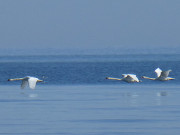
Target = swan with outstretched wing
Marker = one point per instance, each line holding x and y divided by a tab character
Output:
161	75
28	80
127	78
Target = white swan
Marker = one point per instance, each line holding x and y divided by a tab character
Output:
161	75
126	77
27	80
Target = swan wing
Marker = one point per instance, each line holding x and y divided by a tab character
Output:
158	72
23	84
134	77
165	73
32	82
124	75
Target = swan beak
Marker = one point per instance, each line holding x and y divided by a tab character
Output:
9	80
40	80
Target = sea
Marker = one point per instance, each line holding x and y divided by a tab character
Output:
77	99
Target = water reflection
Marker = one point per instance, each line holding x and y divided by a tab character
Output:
159	96
161	93
33	95
136	99
29	95
133	98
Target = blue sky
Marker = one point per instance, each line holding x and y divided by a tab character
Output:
75	26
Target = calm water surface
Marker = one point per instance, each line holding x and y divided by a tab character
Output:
76	99
91	109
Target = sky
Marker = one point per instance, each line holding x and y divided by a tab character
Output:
89	26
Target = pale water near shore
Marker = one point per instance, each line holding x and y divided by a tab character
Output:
126	109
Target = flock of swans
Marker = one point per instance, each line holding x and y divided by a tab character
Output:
161	76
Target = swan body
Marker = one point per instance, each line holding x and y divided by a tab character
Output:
31	81
126	77
161	75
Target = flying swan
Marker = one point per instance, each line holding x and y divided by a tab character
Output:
161	75
31	81
126	77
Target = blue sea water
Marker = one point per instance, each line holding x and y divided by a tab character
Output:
76	99
87	69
